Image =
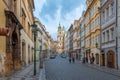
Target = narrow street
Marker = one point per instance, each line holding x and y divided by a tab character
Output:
60	69
40	38
25	74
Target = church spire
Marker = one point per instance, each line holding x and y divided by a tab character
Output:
59	26
59	23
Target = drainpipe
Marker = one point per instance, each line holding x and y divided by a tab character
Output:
100	38
116	27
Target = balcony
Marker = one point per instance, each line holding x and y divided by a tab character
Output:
95	28
108	21
107	44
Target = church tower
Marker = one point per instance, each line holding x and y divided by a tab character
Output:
60	39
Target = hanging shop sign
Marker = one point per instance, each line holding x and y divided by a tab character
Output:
4	32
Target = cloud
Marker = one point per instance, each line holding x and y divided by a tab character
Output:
51	24
74	14
38	6
51	12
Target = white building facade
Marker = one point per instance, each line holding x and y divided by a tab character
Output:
118	32
39	38
82	37
108	33
27	41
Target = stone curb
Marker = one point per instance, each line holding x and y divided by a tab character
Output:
107	70
42	74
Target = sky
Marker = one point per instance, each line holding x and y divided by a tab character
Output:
53	12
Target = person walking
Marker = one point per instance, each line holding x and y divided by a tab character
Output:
92	59
69	57
73	57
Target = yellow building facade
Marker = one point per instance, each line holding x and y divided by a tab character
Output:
92	30
13	23
2	38
10	44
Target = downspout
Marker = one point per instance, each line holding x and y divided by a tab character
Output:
116	27
100	37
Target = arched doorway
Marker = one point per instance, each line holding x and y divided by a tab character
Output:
97	58
23	53
15	51
110	59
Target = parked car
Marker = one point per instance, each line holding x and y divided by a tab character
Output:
52	56
63	55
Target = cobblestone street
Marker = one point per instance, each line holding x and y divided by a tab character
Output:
25	74
60	69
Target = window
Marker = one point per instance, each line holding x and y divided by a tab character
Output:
91	40
15	6
99	38
112	8
107	13
92	25
97	21
29	29
103	36
103	17
92	11
107	35
87	19
112	33
87	30
23	18
95	39
82	34
96	7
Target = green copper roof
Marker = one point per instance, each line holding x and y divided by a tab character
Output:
59	27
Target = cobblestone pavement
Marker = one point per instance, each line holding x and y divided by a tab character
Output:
112	71
60	69
25	74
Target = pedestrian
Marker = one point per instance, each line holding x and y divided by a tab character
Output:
69	60
93	59
83	60
73	57
86	59
90	59
69	57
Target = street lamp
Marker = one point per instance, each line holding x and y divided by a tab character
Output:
41	61
34	30
84	59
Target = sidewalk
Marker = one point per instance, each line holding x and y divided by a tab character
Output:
42	74
104	69
26	73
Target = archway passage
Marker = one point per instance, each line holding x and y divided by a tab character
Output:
110	59
97	58
15	51
103	59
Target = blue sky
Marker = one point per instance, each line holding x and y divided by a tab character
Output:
53	12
